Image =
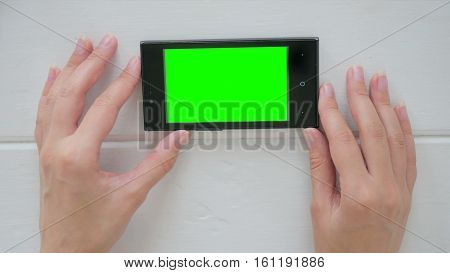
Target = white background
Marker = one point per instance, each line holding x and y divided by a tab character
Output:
227	201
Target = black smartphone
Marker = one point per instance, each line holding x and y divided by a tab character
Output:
230	84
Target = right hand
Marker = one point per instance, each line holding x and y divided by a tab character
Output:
376	178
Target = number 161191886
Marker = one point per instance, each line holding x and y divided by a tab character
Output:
290	262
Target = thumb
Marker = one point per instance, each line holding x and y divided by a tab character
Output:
159	162
323	172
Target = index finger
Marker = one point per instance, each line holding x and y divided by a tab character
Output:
100	118
344	149
374	143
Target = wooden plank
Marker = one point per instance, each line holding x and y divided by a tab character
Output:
223	200
416	58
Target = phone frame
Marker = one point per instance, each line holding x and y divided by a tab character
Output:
303	82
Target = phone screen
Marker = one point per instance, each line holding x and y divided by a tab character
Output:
233	84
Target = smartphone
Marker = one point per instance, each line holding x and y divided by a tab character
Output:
230	84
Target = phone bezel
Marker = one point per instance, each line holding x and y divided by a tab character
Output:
303	64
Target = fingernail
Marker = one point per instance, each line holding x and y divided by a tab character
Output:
51	73
80	48
327	90
309	137
106	41
403	113
184	137
134	65
382	83
358	73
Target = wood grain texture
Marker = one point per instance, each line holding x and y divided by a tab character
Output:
224	200
416	59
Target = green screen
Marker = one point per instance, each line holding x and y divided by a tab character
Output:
226	84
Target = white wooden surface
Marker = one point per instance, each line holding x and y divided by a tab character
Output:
232	201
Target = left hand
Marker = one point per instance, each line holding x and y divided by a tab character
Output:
84	208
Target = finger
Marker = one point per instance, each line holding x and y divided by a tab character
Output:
70	102
323	173
373	138
411	169
344	149
380	97
42	116
145	175
100	118
82	50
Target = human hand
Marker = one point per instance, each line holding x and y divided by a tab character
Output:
376	178
84	208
